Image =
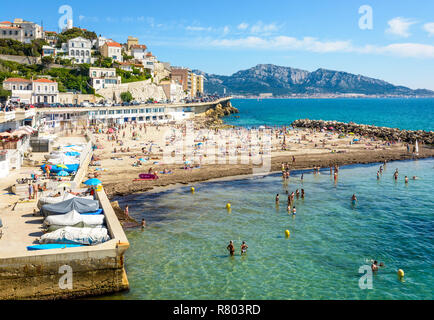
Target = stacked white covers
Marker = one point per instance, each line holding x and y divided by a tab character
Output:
71	235
73	217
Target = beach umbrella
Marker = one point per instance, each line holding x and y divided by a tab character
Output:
63	173
142	159
110	130
93	182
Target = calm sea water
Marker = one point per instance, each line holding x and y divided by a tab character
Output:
181	254
410	114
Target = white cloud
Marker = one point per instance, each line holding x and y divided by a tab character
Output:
310	44
243	26
400	26
429	27
198	28
225	30
260	27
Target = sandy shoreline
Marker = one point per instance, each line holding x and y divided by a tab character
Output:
309	148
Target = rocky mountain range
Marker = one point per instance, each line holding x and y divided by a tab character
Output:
282	81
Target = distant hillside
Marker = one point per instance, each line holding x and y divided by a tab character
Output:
268	78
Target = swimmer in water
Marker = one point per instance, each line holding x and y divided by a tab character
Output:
143	223
302	175
277	198
231	248
302	193
354	198
395	175
244	248
406	179
415	178
294	211
297	193
378	175
374	266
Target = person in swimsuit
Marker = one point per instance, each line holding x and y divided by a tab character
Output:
231	248
354	198
302	193
277	198
406	179
294	211
378	175
297	193
374	266
244	248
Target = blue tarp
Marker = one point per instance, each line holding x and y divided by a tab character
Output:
72	154
55	169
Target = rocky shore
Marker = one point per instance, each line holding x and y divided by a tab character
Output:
213	116
384	133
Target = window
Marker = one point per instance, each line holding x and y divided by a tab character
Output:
72	52
87	53
142	110
118	111
148	110
77	53
13	87
72	44
101	112
111	112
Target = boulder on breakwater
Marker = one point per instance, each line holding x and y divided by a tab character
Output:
384	133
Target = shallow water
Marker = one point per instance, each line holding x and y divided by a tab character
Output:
182	252
410	114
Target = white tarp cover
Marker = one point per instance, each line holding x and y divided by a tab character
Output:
64	160
70	235
51	200
73	217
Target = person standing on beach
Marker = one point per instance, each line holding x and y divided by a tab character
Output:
126	211
231	248
30	191
244	247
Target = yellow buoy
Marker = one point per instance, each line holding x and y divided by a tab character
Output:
228	206
287	233
192	189
401	273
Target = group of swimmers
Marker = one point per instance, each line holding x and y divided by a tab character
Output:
231	248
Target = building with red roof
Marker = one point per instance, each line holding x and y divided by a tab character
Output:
112	49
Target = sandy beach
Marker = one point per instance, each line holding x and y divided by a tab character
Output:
151	143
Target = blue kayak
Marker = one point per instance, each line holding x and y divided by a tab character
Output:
52	246
99	211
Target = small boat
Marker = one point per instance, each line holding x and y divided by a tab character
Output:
52	246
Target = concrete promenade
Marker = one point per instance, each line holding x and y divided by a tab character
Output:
38	274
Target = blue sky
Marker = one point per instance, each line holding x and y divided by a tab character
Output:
225	36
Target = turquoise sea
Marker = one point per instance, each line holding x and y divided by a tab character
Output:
410	114
182	253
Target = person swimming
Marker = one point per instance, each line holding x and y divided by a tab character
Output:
354	198
374	266
294	211
297	193
244	247
302	193
406	179
378	175
231	248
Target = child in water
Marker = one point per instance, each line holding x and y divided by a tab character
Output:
244	248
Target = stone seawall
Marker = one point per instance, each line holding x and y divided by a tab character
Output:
387	134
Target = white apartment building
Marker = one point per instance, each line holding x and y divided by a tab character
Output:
32	91
103	77
78	50
20	30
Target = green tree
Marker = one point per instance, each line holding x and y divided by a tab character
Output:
126	96
47	60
